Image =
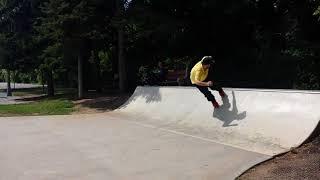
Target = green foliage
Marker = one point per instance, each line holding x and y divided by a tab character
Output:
45	107
105	58
298	52
2	75
3	3
308	75
66	29
144	75
49	33
30	77
246	35
317	12
8	53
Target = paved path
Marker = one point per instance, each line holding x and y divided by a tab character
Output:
3	85
4	100
12	100
107	146
3	95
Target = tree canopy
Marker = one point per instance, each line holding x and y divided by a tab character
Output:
256	43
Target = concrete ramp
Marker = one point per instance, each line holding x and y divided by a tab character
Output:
263	121
169	133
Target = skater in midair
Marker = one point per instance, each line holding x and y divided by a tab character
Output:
199	77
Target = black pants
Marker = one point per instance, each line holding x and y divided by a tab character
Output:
205	91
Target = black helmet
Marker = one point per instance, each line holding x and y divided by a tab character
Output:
206	60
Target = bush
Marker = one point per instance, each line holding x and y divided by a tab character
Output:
146	76
308	74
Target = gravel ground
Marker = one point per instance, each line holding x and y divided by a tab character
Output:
302	163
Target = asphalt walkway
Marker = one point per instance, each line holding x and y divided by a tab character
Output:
107	146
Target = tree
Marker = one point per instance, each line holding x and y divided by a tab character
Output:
317	12
123	84
15	26
79	36
8	43
76	27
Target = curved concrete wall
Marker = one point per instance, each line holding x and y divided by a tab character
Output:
264	121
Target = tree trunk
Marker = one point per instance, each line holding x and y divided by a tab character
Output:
50	84
42	82
123	82
14	79
98	71
9	91
80	76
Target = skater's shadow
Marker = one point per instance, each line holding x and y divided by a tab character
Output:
228	116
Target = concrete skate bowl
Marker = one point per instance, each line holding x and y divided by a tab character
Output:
268	122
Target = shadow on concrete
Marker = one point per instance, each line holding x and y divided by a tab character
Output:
105	103
228	116
150	94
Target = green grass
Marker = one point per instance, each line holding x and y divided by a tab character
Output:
43	107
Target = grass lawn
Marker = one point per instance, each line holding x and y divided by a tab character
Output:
43	107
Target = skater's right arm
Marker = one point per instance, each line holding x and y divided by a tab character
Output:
199	82
206	84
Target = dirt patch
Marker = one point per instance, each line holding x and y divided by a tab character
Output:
300	163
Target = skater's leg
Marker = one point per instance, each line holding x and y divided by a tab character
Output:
219	89
205	91
216	87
